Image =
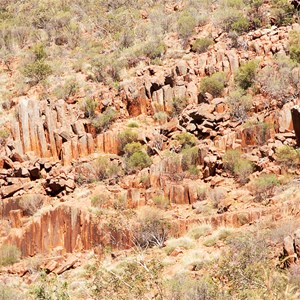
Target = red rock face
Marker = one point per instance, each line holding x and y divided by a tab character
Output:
68	228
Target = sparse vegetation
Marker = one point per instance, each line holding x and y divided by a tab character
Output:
213	84
9	254
240	104
104	168
287	156
201	45
104	120
263	187
294	45
245	76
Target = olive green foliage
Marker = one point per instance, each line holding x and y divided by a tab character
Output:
38	69
160	117
100	200
263	187
190	157
9	254
67	90
239	104
127	136
287	156
133	147
161	202
238	166
104	120
294	45
138	161
186	139
213	84
201	45
4	134
186	25
31	203
245	76
89	105
49	287
282	11
104	168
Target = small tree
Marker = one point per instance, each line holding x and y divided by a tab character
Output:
213	84
246	74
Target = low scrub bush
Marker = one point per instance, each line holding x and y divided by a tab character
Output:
213	84
160	117
186	25
161	202
138	161
282	12
104	168
239	104
186	139
245	76
152	230
9	254
238	166
101	201
199	231
221	234
67	90
201	45
189	159
263	187
287	156
104	120
127	136
294	45
88	106
133	147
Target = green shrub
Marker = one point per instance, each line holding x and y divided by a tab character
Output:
103	168
138	161
282	12
294	45
100	201
263	187
186	25
9	254
189	159
245	76
238	166
133	147
213	84
154	49
133	124
240	25
104	120
239	104
38	69
67	90
4	134
127	136
201	45
287	156
186	139
89	105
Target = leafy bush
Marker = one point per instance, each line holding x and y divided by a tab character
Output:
138	161
38	69
213	84
133	124
189	159
282	12
186	139
186	25
238	166
294	45
104	120
201	45
4	134
88	106
127	136
152	230
67	90
239	103
103	168
245	76
263	187
287	156
9	254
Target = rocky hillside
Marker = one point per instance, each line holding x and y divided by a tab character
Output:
148	150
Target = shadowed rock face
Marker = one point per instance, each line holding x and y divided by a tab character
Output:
296	122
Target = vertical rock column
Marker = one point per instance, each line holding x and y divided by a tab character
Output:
296	122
